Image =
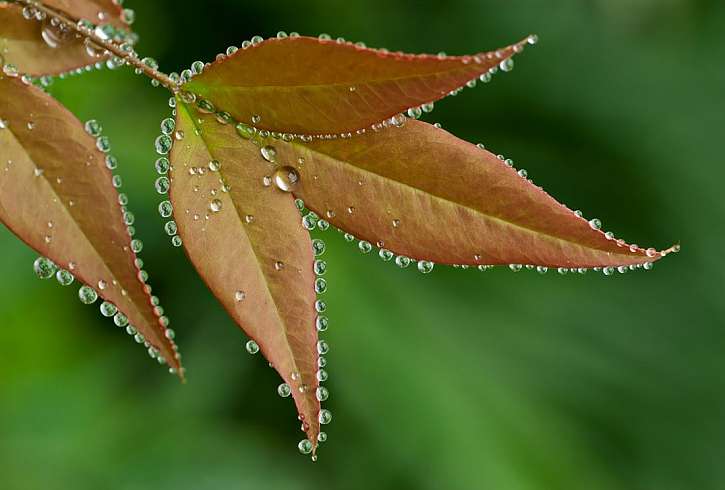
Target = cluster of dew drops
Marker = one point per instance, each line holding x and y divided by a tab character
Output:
56	33
46	268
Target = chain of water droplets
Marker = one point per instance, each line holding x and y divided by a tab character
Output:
45	268
101	41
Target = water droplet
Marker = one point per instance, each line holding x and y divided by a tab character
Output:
320	306
325	416
305	446
322	393
55	34
252	347
322	436
197	67
507	65
595	224
44	268
64	277
284	390
269	153
103	144
279	265
364	247
215	166
322	323
385	255
162	185
318	247
286	178
320	285
323	347
87	295
402	261
136	245
163	144
108	309
93	128
239	296
102	284
120	320
425	266
215	205
167	126
320	267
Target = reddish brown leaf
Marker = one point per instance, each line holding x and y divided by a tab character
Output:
38	48
95	11
310	86
56	195
423	193
247	243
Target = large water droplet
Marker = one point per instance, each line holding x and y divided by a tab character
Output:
286	178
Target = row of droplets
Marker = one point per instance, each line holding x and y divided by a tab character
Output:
250	128
286	177
45	268
163	145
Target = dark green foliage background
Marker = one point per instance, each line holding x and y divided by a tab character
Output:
458	379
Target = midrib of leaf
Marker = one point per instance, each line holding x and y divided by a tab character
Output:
370	81
454	203
280	321
79	227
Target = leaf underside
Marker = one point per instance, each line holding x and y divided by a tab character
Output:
248	245
309	86
57	196
23	45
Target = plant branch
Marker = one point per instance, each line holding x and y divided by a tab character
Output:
130	58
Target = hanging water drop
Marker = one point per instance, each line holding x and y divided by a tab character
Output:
252	347
87	295
44	268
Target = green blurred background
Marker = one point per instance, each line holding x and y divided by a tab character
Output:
454	380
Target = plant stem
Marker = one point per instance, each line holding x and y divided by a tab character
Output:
110	46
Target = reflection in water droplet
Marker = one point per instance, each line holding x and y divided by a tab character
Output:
215	205
252	347
286	178
269	153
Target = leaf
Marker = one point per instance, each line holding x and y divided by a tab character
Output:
57	196
247	243
423	193
39	48
95	11
309	86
